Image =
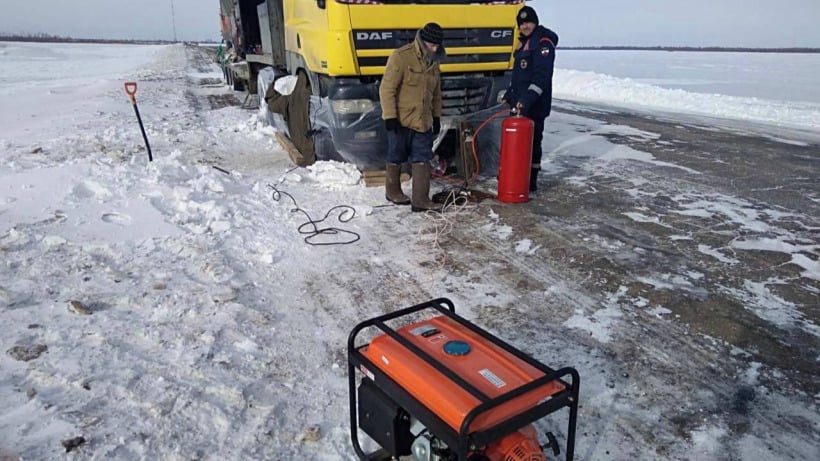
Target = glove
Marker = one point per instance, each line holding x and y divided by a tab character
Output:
391	124
526	101
505	97
436	125
508	97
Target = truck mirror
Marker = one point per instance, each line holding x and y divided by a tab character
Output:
321	4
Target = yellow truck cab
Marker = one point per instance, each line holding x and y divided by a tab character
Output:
340	47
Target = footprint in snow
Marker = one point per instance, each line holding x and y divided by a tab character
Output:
117	218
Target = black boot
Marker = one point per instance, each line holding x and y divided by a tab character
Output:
534	179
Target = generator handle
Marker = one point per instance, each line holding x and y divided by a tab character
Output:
515	421
443	305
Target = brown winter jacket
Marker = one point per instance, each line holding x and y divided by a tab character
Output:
411	89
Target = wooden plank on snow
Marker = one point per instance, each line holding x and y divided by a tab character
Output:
375	178
295	156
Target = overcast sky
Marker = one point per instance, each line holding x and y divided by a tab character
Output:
748	23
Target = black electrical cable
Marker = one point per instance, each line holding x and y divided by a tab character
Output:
347	213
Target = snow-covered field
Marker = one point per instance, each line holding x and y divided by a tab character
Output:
173	310
764	76
772	88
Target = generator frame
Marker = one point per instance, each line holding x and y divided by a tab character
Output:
462	441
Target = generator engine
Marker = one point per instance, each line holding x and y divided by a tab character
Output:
443	389
521	445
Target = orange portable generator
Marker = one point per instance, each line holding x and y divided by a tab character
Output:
440	388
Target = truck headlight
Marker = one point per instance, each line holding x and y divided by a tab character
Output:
352	106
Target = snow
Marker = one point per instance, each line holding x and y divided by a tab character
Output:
220	298
746	75
740	86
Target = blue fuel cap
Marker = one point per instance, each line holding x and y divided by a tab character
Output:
457	348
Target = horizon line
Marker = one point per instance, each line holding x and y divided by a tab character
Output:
45	38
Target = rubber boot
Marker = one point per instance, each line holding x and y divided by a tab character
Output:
534	179
392	185
421	188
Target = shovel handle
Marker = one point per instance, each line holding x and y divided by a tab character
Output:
131	91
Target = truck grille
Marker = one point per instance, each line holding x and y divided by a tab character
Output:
453	40
381	61
463	95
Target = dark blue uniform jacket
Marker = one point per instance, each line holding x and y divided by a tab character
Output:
532	74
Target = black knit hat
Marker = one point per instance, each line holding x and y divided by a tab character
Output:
526	14
432	33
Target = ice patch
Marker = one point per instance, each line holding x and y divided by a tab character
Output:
659	312
627	153
697	212
811	266
752	373
787	141
525	246
638	217
601	323
668	282
623	130
740	212
709	251
500	231
758	298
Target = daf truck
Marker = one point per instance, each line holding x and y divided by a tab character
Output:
338	50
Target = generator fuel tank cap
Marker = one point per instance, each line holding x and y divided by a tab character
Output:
457	348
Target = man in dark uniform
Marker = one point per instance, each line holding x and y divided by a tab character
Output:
530	91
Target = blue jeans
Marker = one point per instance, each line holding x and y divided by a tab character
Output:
406	145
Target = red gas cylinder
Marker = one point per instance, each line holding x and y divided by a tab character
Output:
516	159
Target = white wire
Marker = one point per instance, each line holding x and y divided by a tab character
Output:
440	224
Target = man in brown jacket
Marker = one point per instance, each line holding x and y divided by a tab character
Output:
410	96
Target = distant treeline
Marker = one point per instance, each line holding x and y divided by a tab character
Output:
695	48
46	38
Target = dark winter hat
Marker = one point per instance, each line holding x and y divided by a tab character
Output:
527	14
432	33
